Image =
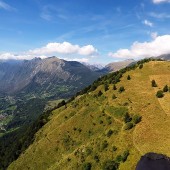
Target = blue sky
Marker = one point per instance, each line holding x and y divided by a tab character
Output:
97	31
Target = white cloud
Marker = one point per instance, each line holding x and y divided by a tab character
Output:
64	48
160	45
21	56
82	60
5	6
160	1
148	23
154	35
159	15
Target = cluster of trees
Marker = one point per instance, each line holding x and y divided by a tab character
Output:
109	164
160	93
131	121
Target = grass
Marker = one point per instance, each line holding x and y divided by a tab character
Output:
63	142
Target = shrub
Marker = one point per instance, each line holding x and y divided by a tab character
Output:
127	117
96	158
165	89
128	77
87	166
110	165
114	148
99	93
109	133
88	151
114	96
106	87
104	145
121	89
101	121
114	87
79	130
109	121
154	83
159	94
136	119
119	158
140	66
128	126
125	156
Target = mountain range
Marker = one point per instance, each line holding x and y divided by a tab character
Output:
50	77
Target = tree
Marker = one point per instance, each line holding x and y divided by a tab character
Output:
159	94
140	66
125	155
110	165
104	145
87	166
136	119
114	87
154	83
114	96
128	77
121	89
128	126
127	117
109	133
165	89
99	93
106	87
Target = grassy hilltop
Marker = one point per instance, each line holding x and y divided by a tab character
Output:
108	127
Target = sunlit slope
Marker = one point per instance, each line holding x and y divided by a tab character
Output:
78	134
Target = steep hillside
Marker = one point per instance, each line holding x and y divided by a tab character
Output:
111	126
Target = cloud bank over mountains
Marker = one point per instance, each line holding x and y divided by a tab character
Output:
158	46
54	49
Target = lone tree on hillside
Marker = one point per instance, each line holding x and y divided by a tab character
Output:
87	166
159	94
99	93
165	89
114	87
136	119
106	87
154	83
127	117
128	77
114	96
140	66
121	89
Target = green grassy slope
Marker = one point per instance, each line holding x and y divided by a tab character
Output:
90	130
